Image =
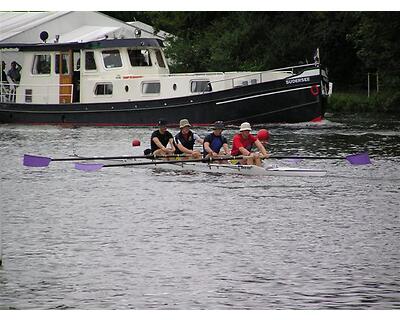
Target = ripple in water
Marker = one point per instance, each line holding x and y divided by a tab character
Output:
130	238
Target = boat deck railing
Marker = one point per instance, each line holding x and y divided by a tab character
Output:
257	77
10	92
293	69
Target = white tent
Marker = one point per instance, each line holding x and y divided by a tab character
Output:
68	26
65	26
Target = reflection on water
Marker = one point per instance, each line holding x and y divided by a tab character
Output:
134	238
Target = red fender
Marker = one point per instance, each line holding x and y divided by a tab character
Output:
314	90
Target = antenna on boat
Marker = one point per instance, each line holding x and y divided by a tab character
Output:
44	36
316	57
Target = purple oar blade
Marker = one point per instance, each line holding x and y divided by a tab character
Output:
358	159
35	161
88	166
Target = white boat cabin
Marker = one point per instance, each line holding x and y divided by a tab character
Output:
114	70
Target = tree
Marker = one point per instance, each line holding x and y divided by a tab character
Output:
377	41
351	43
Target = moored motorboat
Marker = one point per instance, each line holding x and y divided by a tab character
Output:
127	82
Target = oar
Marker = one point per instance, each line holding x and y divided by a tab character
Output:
40	161
30	160
97	166
355	159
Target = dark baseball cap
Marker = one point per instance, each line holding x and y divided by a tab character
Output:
162	123
218	125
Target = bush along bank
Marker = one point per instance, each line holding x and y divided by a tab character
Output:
346	102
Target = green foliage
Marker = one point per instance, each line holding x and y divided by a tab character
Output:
359	102
376	40
351	43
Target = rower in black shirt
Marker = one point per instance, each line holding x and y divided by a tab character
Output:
160	139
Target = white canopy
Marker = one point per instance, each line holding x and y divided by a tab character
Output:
69	26
14	23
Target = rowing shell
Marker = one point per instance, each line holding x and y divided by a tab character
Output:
249	170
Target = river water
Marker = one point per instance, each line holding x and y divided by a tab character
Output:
130	238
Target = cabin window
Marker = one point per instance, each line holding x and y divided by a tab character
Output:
139	58
41	64
28	95
90	63
200	86
151	87
112	59
64	64
77	61
103	89
160	60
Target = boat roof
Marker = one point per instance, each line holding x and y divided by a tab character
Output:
106	43
13	23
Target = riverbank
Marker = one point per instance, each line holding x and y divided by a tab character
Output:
346	102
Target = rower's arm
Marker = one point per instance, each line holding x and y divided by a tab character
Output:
226	148
198	139
244	151
207	147
260	147
171	143
183	149
158	143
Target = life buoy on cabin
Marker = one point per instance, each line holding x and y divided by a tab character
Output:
314	90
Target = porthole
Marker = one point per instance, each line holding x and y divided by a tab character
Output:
174	86
126	88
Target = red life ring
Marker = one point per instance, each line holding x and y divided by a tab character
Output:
314	90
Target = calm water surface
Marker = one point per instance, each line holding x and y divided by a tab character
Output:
125	238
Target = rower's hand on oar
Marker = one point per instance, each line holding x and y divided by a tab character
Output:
255	155
168	150
194	154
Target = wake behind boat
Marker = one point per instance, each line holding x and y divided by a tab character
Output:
127	82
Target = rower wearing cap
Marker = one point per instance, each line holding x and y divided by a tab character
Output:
185	140
160	139
214	141
263	136
242	144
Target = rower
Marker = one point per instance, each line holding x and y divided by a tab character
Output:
185	140
263	136
214	141
160	139
242	144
